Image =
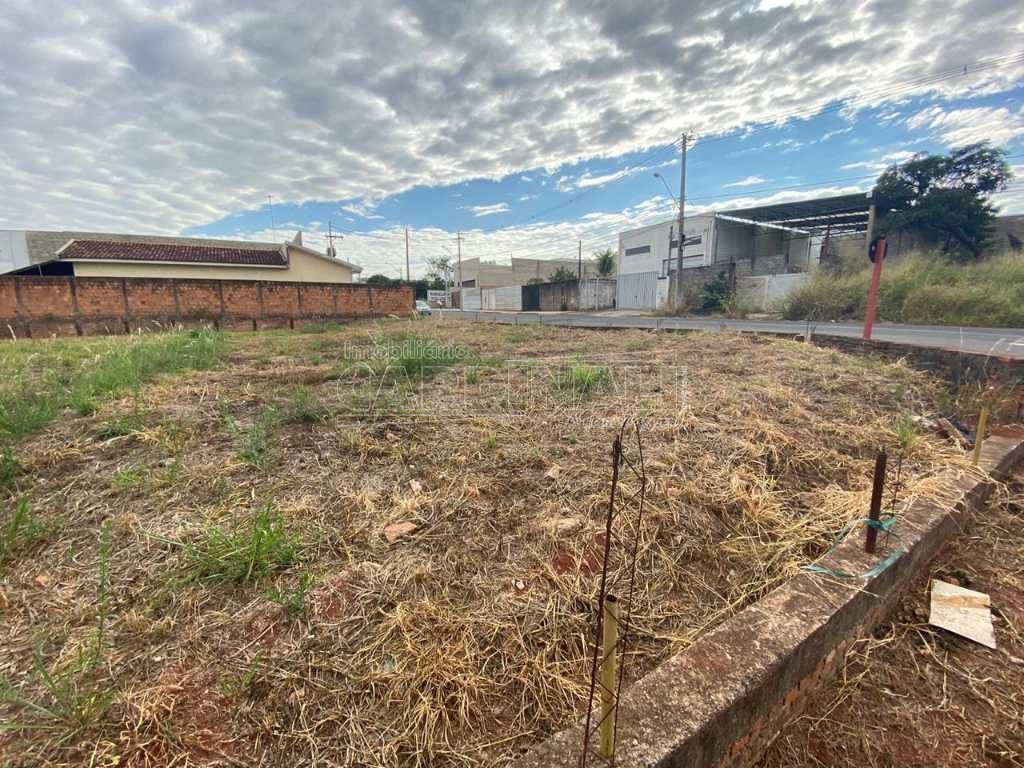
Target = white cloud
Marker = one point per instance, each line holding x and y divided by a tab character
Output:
830	134
750	181
168	116
489	210
362	208
956	127
880	164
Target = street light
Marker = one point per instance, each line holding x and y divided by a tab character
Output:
667	189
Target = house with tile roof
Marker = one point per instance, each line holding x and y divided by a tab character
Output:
97	254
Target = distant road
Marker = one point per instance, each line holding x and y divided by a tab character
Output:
1004	342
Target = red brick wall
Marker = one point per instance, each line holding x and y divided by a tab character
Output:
198	298
8	301
151	298
242	299
100	298
45	297
281	299
45	305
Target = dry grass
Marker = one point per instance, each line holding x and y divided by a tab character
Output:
461	643
915	695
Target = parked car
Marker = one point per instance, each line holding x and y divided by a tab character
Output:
422	307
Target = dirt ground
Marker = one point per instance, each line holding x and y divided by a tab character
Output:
915	695
295	557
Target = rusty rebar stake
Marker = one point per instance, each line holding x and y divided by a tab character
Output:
875	513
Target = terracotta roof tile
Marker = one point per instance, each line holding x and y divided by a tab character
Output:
106	250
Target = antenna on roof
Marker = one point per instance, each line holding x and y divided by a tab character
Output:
273	228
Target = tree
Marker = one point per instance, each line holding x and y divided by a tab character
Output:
605	262
439	272
944	198
381	280
562	274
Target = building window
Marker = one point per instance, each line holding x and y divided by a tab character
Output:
696	240
693	261
638	250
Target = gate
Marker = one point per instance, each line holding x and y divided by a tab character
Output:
637	291
531	298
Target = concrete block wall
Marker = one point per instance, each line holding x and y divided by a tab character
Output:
42	306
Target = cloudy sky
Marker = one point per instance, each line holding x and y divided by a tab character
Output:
526	125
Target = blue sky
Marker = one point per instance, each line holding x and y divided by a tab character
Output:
837	149
527	125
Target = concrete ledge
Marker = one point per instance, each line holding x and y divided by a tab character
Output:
724	699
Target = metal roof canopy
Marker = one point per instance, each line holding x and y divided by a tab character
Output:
842	214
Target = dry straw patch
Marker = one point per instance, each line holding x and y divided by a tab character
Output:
464	640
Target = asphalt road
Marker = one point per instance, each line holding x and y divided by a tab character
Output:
1004	342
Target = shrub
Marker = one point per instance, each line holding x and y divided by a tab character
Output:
715	293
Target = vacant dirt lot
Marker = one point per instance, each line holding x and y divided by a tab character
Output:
914	695
314	548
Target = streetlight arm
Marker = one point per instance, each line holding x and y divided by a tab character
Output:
667	189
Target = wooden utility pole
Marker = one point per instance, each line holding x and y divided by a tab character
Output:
408	278
579	263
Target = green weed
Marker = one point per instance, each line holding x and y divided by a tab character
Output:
128	480
246	553
638	345
10	468
22	532
303	406
906	432
255	443
75	698
294	601
243	684
582	379
45	378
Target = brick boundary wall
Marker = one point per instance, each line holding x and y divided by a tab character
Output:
722	701
68	306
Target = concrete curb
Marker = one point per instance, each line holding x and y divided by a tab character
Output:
723	700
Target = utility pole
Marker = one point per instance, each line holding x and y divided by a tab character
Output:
273	227
331	250
579	262
682	199
682	231
408	279
671	234
458	243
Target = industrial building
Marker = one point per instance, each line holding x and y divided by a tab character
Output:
761	242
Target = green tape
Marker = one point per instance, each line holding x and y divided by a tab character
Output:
885	524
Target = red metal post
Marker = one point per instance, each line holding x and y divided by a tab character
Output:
876	277
876	501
